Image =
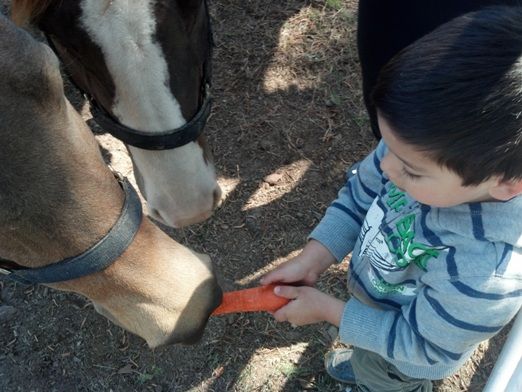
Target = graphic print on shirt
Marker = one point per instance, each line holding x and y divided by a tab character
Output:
390	254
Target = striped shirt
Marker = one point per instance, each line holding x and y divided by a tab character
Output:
427	284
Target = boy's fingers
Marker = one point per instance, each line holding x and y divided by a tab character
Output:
278	316
272	277
267	279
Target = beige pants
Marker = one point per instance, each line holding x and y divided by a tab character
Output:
374	374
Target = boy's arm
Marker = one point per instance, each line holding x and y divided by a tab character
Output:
445	321
335	235
341	224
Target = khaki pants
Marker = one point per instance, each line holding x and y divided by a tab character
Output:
374	374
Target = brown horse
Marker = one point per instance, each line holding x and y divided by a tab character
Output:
146	65
61	209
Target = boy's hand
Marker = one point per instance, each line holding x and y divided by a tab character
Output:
305	268
307	306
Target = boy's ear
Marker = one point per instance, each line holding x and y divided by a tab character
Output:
506	190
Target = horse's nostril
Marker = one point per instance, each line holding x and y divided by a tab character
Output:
217	197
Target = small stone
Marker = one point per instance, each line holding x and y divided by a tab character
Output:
273	179
252	225
329	103
307	385
265	145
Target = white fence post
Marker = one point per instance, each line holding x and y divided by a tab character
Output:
507	372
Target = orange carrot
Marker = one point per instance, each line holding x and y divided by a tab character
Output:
256	299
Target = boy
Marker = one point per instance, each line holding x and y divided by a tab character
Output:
433	217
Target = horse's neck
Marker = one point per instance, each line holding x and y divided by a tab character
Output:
57	198
55	225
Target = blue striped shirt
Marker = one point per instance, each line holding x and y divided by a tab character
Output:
427	284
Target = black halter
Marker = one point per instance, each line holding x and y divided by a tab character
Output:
165	140
95	259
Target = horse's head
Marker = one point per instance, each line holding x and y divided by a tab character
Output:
146	64
58	199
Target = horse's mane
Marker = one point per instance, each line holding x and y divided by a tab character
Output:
24	12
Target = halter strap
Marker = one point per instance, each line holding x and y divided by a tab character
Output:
96	258
166	140
178	137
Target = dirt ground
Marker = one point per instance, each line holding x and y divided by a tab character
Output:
287	121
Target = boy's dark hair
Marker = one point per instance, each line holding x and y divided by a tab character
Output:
457	94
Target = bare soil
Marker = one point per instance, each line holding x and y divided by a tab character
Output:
287	121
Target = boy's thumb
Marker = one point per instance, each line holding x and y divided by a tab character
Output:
289	292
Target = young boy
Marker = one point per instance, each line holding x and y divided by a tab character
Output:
433	217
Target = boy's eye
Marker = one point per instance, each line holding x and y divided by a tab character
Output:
410	175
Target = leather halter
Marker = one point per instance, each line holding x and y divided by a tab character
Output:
165	140
95	259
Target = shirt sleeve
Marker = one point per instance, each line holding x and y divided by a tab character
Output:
447	319
341	224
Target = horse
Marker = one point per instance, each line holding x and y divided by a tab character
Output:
68	222
146	67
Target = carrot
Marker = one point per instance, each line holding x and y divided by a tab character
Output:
256	299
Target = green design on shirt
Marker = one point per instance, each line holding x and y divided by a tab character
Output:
401	242
385	288
396	199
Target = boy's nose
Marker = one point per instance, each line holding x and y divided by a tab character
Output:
385	164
